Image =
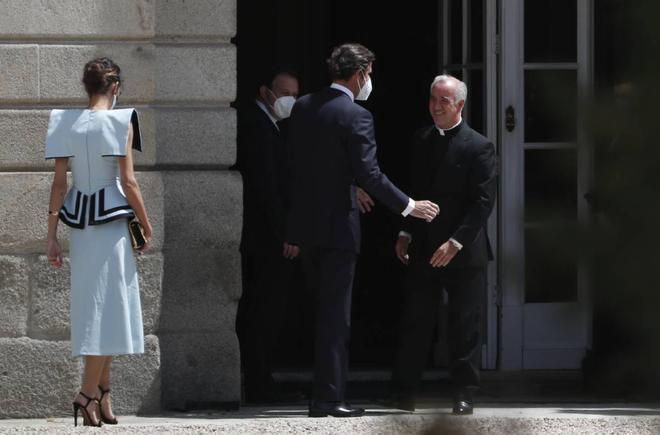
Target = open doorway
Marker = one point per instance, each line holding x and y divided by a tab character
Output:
407	43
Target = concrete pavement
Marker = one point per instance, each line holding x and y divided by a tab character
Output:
488	419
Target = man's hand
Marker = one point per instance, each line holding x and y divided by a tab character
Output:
365	203
290	251
444	254
426	210
401	249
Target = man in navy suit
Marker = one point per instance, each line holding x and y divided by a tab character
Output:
331	139
266	255
456	167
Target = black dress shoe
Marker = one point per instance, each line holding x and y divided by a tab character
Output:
463	407
334	409
463	403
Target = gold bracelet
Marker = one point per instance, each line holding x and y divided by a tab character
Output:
53	213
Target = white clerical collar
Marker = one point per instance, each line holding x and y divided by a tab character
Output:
442	132
263	107
344	89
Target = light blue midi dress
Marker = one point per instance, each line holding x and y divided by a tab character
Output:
106	316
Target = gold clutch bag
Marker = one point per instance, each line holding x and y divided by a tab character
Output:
136	230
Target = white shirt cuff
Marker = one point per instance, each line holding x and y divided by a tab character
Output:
411	207
406	234
456	243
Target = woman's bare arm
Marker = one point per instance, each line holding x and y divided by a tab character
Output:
131	187
57	193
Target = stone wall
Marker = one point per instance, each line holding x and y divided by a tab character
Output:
179	69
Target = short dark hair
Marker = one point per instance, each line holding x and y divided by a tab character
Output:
99	75
346	59
269	74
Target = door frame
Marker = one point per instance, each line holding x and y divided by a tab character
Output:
491	51
519	348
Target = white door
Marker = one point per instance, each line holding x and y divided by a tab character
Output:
467	35
546	159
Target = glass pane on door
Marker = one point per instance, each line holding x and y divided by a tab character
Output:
550	266
550	106
455	31
458	73
550	31
476	33
550	185
476	100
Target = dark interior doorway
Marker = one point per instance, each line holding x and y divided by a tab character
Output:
301	34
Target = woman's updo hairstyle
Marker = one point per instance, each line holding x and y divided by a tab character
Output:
99	75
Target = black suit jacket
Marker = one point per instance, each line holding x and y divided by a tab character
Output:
333	148
459	174
265	181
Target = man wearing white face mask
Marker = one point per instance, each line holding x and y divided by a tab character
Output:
333	148
266	256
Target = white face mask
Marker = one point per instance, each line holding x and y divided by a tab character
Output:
365	90
282	107
114	101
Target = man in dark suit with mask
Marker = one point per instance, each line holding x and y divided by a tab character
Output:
266	256
333	148
456	167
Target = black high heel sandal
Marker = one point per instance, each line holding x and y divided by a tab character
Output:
87	419
105	419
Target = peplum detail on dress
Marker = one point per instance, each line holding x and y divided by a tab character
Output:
105	205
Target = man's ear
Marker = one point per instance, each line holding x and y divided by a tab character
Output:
264	94
354	81
358	78
461	104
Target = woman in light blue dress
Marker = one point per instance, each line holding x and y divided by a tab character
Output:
106	317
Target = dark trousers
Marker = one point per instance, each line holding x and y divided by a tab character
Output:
423	294
329	274
261	311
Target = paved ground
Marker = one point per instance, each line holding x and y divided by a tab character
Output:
488	419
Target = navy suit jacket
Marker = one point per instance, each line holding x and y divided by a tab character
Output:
459	174
332	145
